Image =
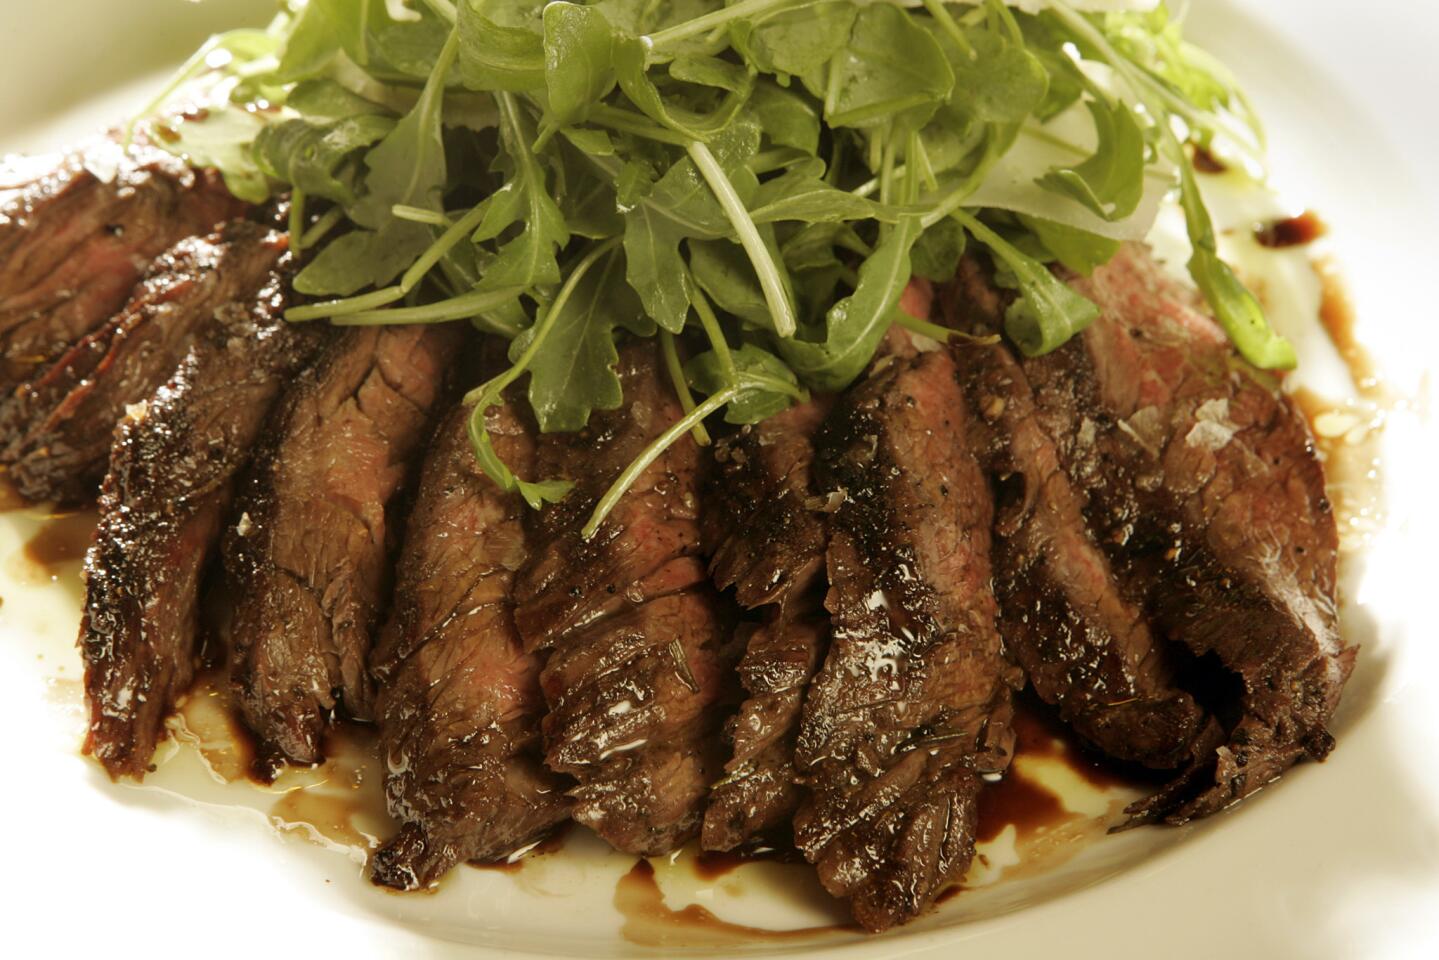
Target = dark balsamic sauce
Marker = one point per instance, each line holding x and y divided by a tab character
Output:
1206	162
1290	231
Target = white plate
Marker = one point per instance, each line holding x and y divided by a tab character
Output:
1339	860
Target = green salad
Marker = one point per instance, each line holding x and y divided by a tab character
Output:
755	184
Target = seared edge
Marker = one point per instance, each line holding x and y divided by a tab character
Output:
161	507
459	699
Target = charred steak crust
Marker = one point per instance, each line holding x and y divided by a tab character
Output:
459	700
73	243
1085	645
641	651
310	541
912	705
161	507
766	539
62	454
1206	492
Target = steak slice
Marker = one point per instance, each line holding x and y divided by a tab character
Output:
459	699
73	243
161	507
309	548
766	540
640	646
1205	490
1085	644
912	704
62	454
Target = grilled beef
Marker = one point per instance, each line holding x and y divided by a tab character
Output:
640	647
1085	645
308	552
74	242
62	454
162	505
766	540
1205	491
459	699
912	705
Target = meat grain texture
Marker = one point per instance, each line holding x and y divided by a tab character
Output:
459	697
60	451
309	550
75	240
162	505
764	530
912	705
640	646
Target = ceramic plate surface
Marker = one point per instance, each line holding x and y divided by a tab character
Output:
1338	860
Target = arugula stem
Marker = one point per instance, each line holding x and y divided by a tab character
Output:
751	9
676	370
457	231
343	307
327	222
433	218
297	220
652	452
934	331
711	325
463	307
545	322
627	121
780	308
946	23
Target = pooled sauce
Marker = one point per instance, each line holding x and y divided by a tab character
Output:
1018	801
1336	312
714	864
1206	162
648	922
340	802
60	542
206	719
1290	231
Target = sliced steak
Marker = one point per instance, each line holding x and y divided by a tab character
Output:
459	700
309	548
912	704
766	539
161	509
62	454
74	242
1206	493
640	646
1084	643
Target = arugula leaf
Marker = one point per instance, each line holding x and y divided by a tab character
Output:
798	194
362	258
529	259
309	156
498	57
1047	313
722	271
1111	182
936	253
787	118
654	268
631	55
766	385
311	45
575	374
578	60
1235	307
1079	250
795	41
891	70
855	325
